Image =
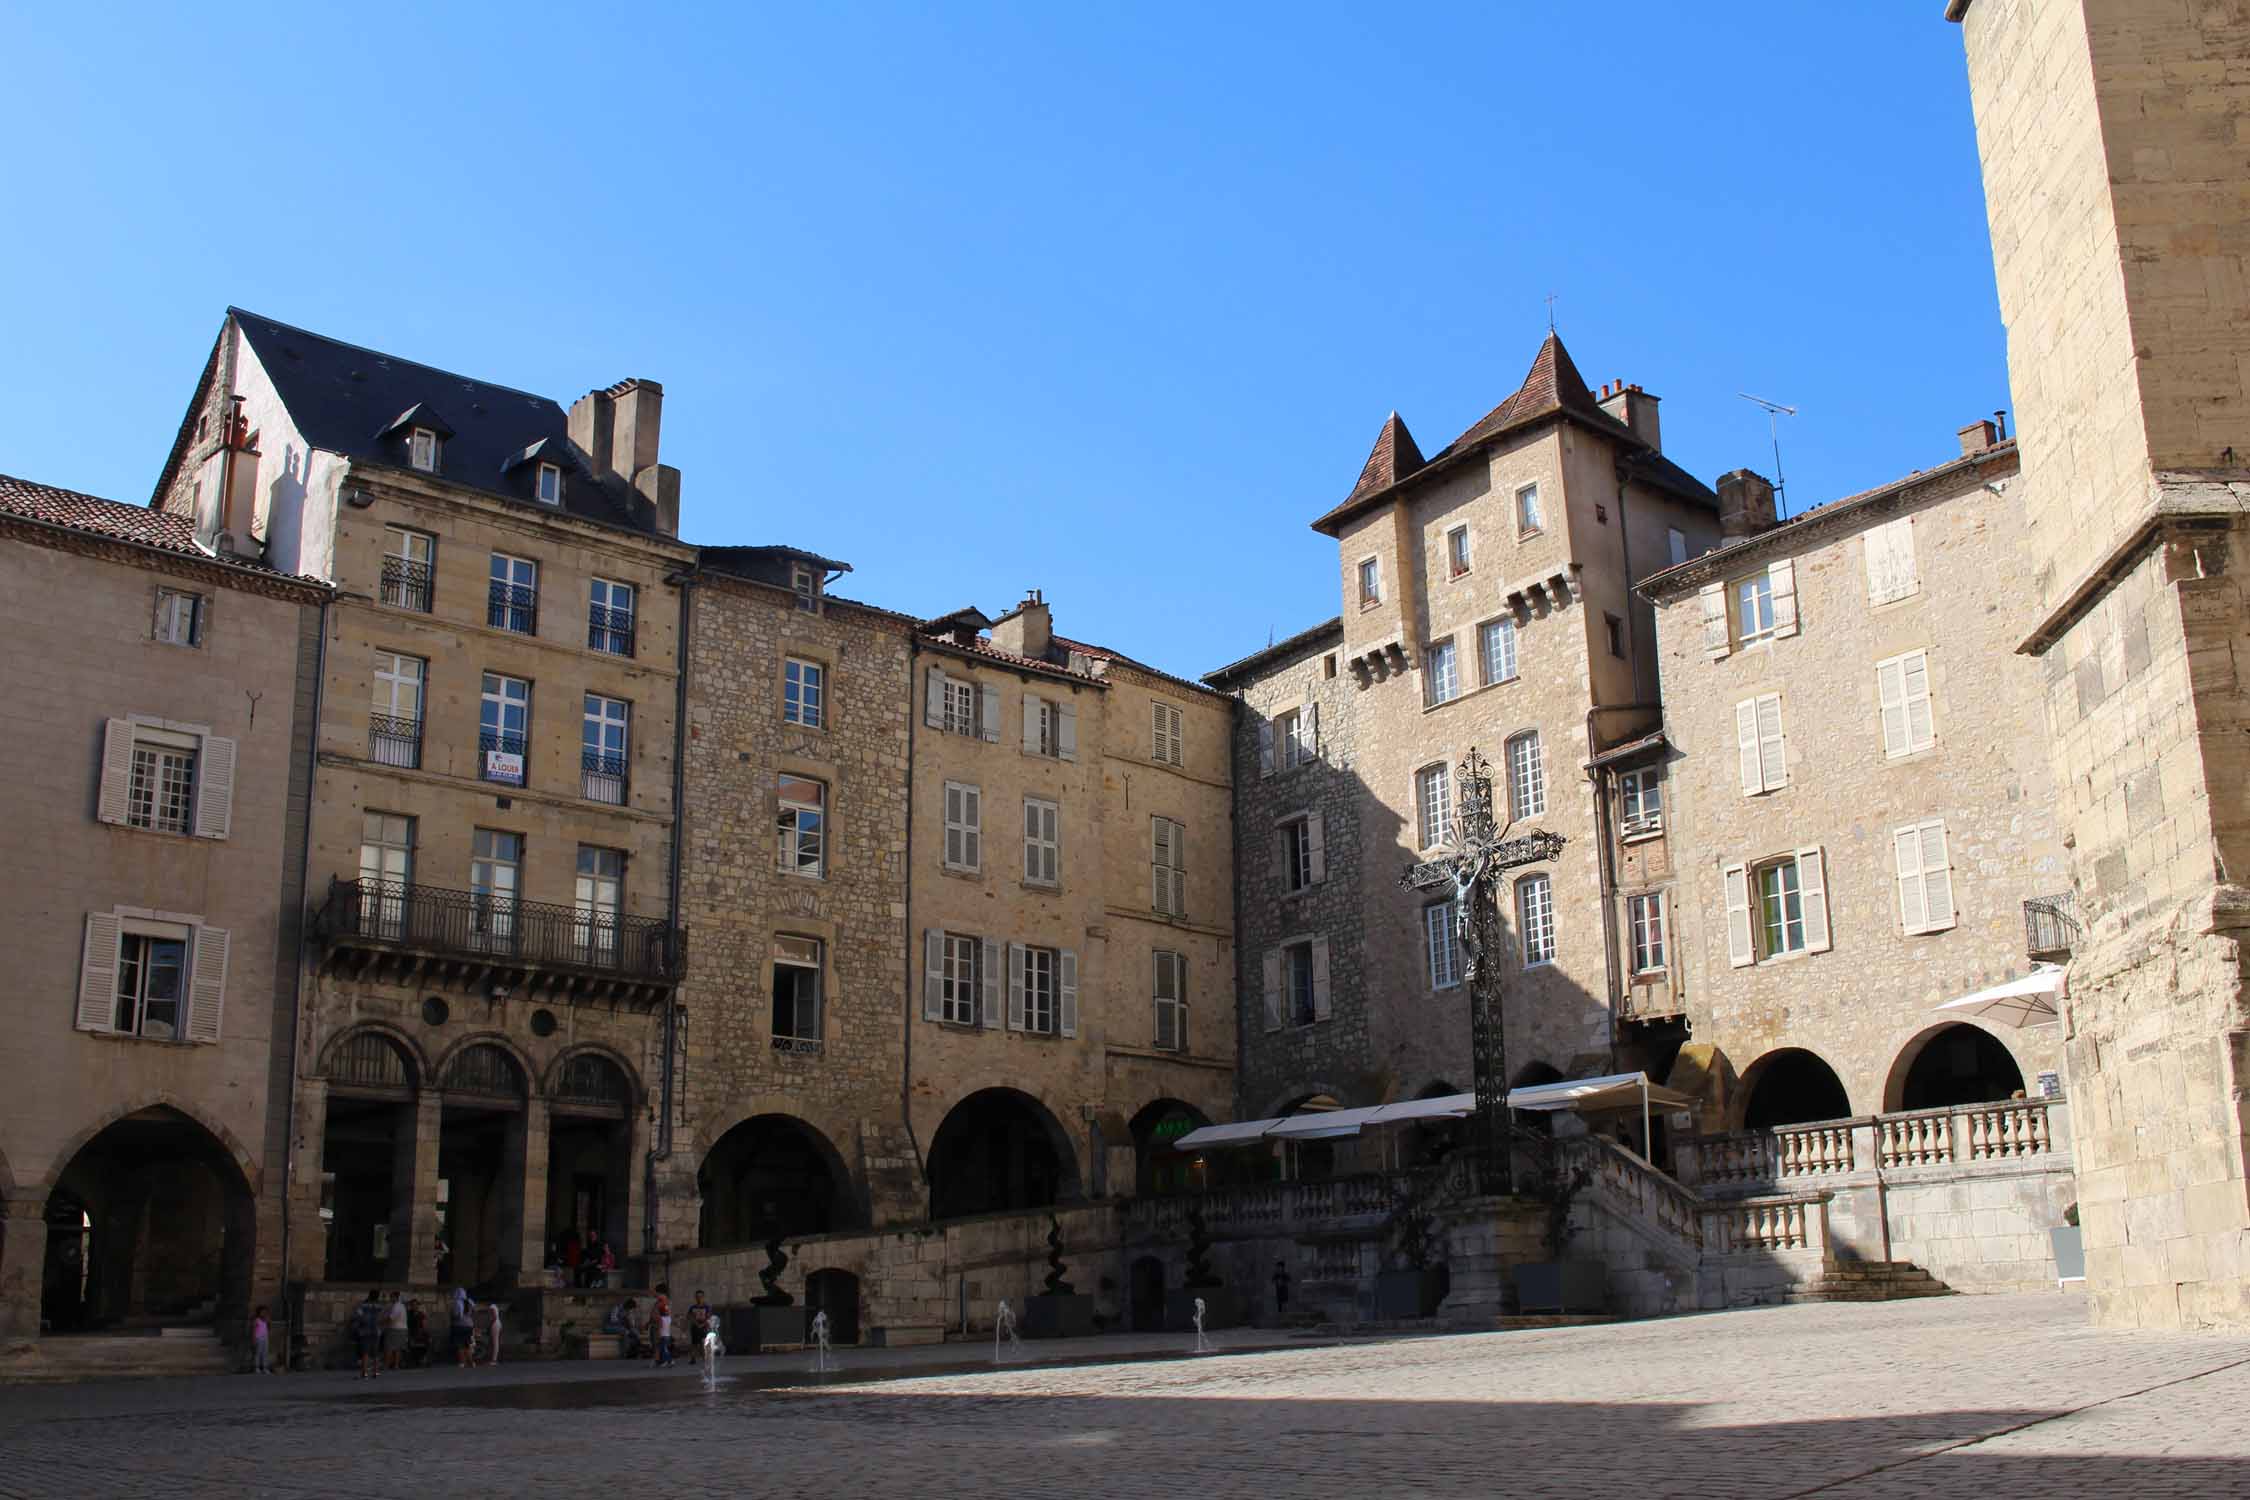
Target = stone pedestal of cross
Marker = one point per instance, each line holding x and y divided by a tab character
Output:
1471	870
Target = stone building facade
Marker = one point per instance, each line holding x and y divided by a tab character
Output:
2113	168
1487	603
493	959
161	725
1849	824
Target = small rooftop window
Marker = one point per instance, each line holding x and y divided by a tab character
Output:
422	450
550	484
806	582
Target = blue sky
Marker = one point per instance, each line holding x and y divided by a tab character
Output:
1108	301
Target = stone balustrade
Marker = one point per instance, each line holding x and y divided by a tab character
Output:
1767	1225
1270	1207
2009	1131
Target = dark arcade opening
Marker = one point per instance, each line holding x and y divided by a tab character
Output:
1956	1064
589	1153
367	1156
1161	1168
997	1151
481	1149
772	1175
1791	1086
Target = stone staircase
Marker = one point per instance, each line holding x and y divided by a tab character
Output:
141	1353
1870	1281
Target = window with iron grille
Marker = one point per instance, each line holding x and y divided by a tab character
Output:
607	746
408	571
514	598
394	726
386	872
504	728
609	618
495	871
599	901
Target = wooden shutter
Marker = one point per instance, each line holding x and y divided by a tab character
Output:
1773	754
1320	978
1273	989
988	712
1914	681
1159	864
989	971
1178	908
1317	844
1784	576
1716	641
1310	733
1066	969
1066	730
1913	902
214	787
1281	854
1812	890
1890	703
117	772
1015	986
1937	875
1265	749
1030	725
972	836
1741	949
933	699
1891	571
207	989
1746	746
97	968
933	974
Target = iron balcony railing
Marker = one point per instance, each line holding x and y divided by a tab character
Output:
407	584
604	778
609	630
500	756
2050	925
393	741
480	923
513	606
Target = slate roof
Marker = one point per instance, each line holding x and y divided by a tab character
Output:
1236	671
1551	389
160	530
343	398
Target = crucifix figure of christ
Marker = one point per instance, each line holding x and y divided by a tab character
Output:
1472	868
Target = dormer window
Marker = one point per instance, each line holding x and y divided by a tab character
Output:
807	584
421	450
550	484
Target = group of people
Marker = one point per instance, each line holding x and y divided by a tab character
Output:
646	1332
396	1335
582	1263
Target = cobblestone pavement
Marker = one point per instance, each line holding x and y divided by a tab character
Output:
1972	1396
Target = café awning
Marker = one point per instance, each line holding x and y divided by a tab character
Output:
2028	1001
1232	1133
1588	1095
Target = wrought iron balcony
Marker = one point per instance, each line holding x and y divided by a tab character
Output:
604	778
2050	925
417	934
407	584
512	606
609	630
393	741
500	756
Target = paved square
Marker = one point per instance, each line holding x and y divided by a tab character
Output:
1958	1396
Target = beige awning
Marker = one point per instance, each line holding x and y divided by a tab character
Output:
1590	1095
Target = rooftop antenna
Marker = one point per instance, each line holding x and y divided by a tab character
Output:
1775	411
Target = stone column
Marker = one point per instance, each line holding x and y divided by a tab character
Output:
414	1178
523	1195
308	1244
23	1271
629	1213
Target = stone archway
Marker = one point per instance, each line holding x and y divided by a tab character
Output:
1949	1064
591	1097
1000	1150
1791	1086
151	1221
773	1174
374	1078
1159	1168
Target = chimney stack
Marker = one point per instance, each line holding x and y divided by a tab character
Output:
1745	503
1636	408
1027	630
1978	436
618	429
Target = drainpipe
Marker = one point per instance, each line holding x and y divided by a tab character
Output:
297	991
1241	1010
906	1065
661	1149
1606	857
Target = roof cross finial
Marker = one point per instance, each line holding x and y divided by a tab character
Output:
1550	312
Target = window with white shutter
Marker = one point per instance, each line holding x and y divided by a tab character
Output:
1717	639
1902	694
1891	570
1042	842
1777	907
1168	990
1166	743
964	827
162	981
1066	992
1925	876
1742	948
1762	751
1167	867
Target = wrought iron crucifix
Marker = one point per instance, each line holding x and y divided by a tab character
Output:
1472	869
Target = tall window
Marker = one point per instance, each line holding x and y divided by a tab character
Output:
803	691
1164	733
1902	693
179	617
1298	995
386	870
1168	989
161	794
1642	793
1496	650
151	971
407	571
495	865
1296	732
550	484
964	978
1529	516
1043	727
1039	1007
394	731
1527	776
600	899
1535	918
1645	916
1753	608
513	600
1457	551
1675	545
796	993
1441	932
1296	854
802	826
609	618
504	728
1370	582
1781	909
964	827
1443	675
961	708
1777	907
1042	842
1433	800
805	583
1167	867
421	449
606	749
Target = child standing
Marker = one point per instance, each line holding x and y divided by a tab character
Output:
661	1326
260	1332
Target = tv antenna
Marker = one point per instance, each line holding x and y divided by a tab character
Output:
1775	411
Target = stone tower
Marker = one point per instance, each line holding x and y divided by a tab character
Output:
2118	187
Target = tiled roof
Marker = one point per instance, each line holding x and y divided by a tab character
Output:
1291	646
1393	457
1104	653
988	652
95	516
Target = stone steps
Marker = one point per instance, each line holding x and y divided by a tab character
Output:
1870	1281
96	1356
